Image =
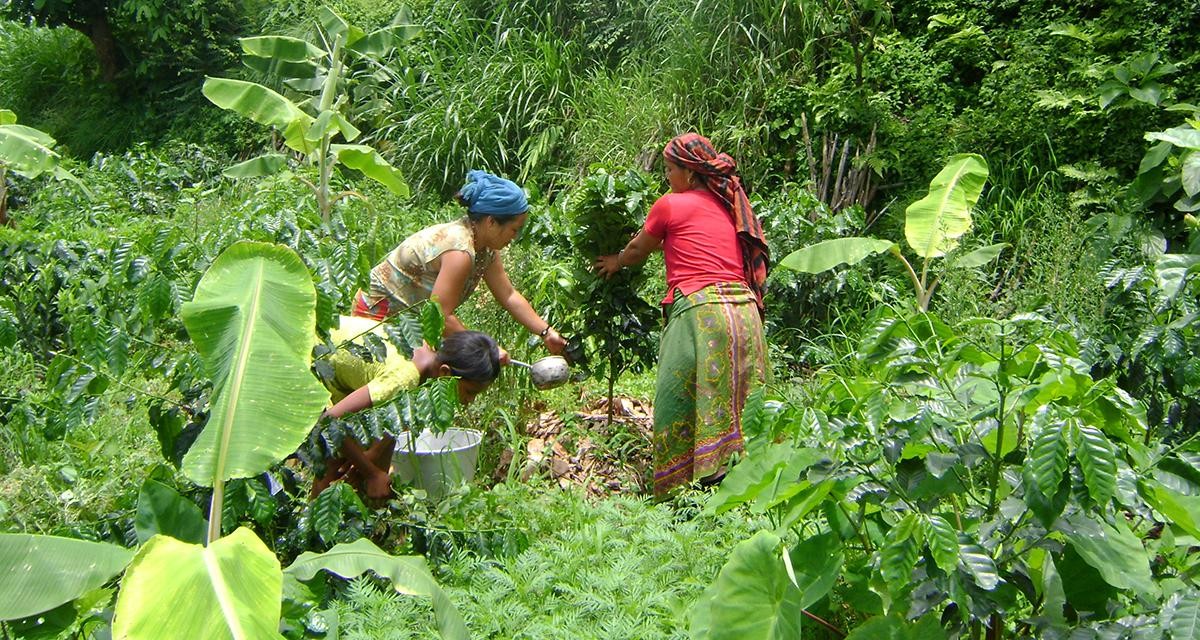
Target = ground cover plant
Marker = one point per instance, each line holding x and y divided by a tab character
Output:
997	438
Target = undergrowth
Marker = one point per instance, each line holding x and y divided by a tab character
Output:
622	567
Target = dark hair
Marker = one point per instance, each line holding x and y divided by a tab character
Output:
480	217
472	355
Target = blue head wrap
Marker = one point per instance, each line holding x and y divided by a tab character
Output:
492	195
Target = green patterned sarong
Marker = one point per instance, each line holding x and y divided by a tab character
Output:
712	353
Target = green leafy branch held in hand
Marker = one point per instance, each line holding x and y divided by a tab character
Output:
319	74
606	211
29	153
933	226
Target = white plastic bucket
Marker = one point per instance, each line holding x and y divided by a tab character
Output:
437	462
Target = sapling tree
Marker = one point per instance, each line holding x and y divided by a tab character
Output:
607	210
932	228
317	71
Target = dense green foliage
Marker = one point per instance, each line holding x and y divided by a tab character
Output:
1011	451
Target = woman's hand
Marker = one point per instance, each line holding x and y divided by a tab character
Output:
606	266
504	357
554	342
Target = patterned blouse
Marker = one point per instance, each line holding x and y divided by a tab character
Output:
406	276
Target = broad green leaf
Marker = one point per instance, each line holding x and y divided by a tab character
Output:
264	165
328	123
291	72
754	599
1189	173
408	574
816	563
750	477
253	323
1171	271
256	102
1098	459
828	254
1180	510
900	552
1181	615
975	560
371	164
43	572
802	502
1048	456
934	223
160	509
1185	137
433	324
7	117
943	543
1054	598
1155	156
229	589
896	628
283	48
1114	551
336	26
981	256
26	151
382	41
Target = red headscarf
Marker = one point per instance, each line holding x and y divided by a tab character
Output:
694	152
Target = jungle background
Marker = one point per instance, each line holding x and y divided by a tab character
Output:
1021	459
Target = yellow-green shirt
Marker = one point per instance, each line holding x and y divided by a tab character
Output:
385	379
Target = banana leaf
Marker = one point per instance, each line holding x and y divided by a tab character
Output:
283	48
26	150
372	165
265	165
229	589
934	223
409	574
252	321
828	254
254	101
43	572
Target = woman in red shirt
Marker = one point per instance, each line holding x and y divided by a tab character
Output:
712	350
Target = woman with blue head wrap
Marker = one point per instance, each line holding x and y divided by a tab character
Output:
448	260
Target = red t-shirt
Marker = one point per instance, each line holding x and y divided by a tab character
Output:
700	243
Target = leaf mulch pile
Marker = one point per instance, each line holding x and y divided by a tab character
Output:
586	451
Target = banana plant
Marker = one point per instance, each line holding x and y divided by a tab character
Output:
315	71
29	153
253	322
933	226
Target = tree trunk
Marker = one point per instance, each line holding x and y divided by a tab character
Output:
3	197
108	54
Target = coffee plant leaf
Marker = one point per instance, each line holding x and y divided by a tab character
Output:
1047	459
1113	550
900	552
1097	459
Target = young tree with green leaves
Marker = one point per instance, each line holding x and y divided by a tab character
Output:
317	71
